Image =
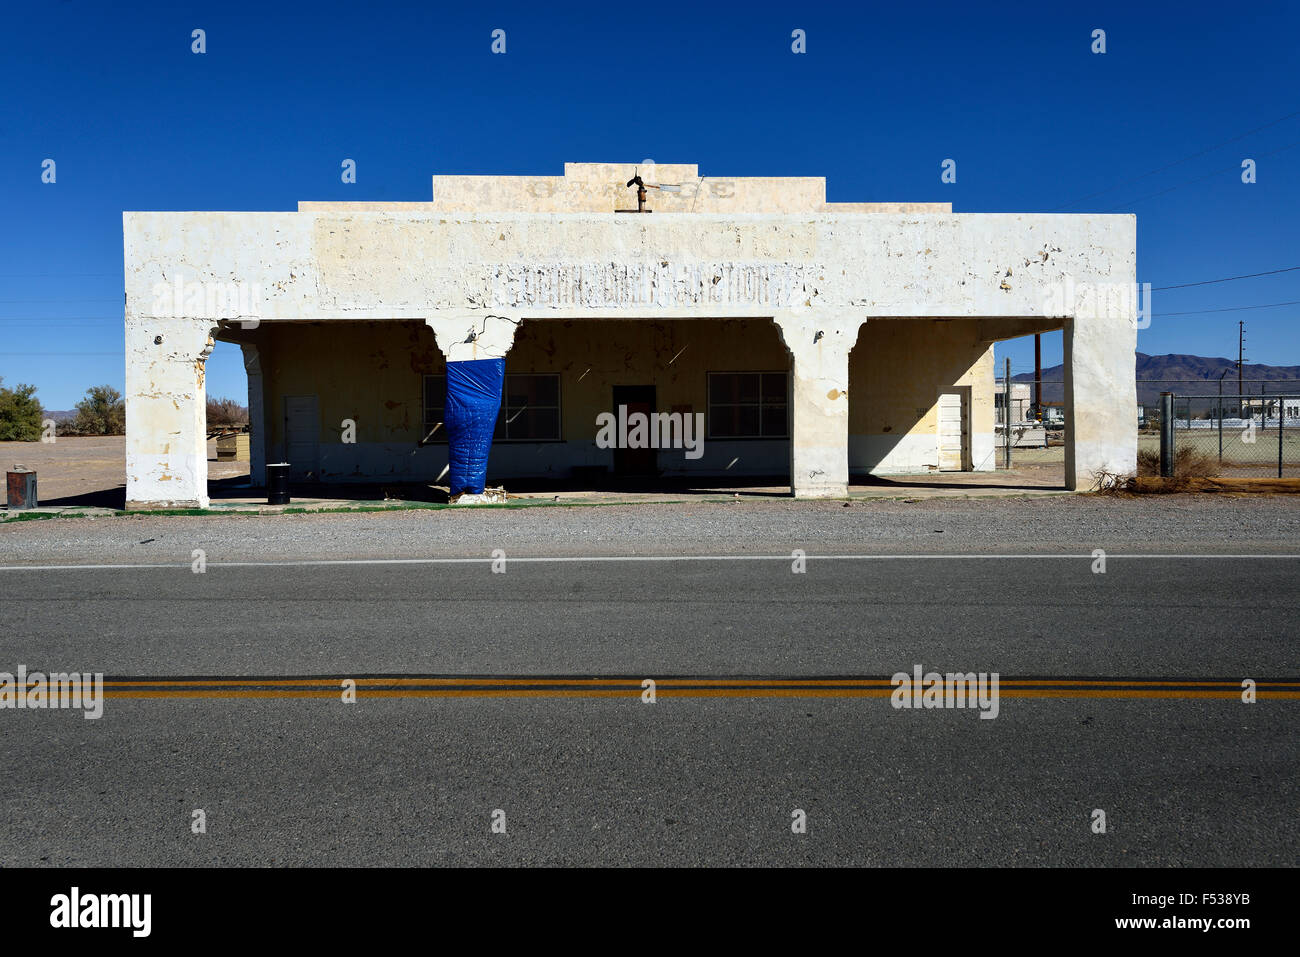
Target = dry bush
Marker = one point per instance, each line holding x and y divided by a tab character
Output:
1148	461
1145	485
226	413
1194	471
1112	483
1193	463
1188	463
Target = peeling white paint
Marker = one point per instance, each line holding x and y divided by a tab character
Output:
473	274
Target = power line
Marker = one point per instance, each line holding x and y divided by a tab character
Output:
1217	172
1208	282
1161	169
1201	312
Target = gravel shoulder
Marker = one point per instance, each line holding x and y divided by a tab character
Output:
1165	524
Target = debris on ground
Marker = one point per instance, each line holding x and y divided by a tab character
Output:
491	495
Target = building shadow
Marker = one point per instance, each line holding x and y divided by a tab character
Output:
114	498
238	488
1013	483
755	486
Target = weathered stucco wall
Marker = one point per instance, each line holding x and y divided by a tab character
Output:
326	266
897	371
166	412
366	372
602	188
373	373
818	274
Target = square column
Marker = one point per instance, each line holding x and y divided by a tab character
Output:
166	412
819	396
257	424
1100	399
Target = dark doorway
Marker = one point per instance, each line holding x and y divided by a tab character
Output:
635	463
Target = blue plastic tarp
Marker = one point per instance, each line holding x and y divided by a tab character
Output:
470	416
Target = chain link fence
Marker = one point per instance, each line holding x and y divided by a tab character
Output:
1231	436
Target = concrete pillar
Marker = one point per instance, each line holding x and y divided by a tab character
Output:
257	424
1100	398
166	412
819	396
470	337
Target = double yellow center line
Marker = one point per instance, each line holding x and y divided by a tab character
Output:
516	686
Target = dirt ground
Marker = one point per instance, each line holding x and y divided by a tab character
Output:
77	470
91	472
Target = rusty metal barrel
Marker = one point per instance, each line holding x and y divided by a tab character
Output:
20	485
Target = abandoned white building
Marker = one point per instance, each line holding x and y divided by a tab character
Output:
817	339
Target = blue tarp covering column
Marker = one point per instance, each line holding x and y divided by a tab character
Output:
473	402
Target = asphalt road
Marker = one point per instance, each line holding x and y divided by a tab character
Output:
1183	779
1149	617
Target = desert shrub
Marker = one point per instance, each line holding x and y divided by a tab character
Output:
20	414
101	412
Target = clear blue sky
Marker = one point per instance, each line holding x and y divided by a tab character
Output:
884	94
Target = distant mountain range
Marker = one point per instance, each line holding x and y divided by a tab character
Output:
1182	373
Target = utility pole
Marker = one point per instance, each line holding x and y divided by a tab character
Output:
1006	418
1038	376
1221	375
1241	352
1281	421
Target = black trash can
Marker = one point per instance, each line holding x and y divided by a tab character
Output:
277	484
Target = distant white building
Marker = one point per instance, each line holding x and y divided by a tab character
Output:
1026	431
1021	402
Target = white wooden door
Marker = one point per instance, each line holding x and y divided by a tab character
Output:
952	432
302	436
